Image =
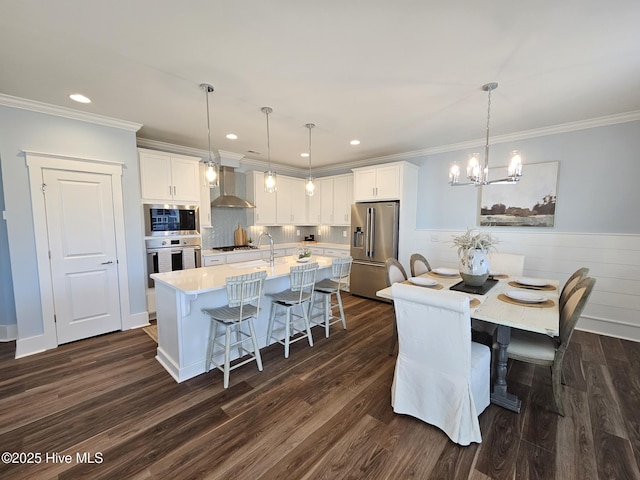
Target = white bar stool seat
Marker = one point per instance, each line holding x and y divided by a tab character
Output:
284	323
324	289
243	293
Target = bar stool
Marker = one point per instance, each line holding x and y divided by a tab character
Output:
340	271
242	292
303	278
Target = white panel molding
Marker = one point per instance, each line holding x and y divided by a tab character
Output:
39	107
613	259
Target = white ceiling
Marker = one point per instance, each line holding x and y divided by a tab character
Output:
400	76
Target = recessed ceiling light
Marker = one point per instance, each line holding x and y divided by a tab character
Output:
355	142
232	136
304	154
78	97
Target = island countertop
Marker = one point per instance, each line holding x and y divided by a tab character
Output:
206	279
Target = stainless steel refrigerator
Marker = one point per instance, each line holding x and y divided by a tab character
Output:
374	238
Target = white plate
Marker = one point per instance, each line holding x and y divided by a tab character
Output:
448	272
525	297
423	282
532	282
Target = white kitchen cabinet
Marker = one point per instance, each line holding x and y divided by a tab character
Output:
337	197
265	211
167	177
381	182
314	204
290	201
336	252
213	260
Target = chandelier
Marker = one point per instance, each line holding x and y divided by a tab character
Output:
212	173
309	186
479	174
269	175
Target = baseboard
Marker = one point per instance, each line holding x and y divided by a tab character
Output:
33	345
136	320
609	328
8	333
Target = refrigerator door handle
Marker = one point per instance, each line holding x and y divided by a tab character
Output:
372	232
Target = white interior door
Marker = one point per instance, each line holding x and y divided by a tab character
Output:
82	246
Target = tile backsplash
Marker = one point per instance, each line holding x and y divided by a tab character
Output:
225	221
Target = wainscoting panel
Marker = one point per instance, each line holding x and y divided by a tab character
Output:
613	259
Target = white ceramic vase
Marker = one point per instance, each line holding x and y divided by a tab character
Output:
474	267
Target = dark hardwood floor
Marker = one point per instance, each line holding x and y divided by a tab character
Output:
322	413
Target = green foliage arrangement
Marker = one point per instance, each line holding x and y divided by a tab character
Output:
471	241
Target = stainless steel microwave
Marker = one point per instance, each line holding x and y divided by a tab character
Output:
165	220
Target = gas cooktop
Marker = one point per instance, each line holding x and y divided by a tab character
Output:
234	248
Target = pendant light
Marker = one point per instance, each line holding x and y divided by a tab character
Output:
479	174
212	173
269	176
309	186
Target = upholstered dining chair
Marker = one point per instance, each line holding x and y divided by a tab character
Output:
541	349
418	264
395	273
511	264
441	376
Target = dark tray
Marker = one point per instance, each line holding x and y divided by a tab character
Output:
481	290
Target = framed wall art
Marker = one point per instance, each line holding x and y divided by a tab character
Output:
529	203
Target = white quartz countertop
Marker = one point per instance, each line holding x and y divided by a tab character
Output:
337	246
206	279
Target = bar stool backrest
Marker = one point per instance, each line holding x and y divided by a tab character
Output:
245	289
340	271
303	277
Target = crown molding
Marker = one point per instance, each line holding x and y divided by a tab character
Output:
39	107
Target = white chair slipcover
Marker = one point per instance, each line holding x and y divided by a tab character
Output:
441	376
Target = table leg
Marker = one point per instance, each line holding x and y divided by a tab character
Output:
499	394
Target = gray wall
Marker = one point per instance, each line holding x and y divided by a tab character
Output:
27	130
598	176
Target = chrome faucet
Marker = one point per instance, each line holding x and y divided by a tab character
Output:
271	251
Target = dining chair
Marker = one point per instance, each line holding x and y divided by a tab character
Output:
571	284
511	264
303	279
325	288
418	264
243	296
441	376
541	349
395	273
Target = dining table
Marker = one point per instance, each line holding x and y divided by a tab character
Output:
525	303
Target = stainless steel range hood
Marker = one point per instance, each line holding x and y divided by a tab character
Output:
228	198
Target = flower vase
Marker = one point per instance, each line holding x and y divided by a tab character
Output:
474	267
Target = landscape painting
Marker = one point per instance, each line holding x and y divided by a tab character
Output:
529	203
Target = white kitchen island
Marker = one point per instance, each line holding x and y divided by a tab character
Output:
183	330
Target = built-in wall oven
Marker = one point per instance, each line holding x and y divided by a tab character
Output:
169	220
170	254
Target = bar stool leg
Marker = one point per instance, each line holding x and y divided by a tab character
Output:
344	322
212	339
272	318
256	350
287	333
327	313
307	324
227	354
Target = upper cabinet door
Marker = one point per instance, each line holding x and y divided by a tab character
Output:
342	199
377	183
364	184
170	178
265	211
326	213
290	201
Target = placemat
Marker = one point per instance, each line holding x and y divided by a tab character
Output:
437	286
549	288
481	290
546	304
437	275
499	276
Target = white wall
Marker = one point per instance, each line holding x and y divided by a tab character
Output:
28	130
597	222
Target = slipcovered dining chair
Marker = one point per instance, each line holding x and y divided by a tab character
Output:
325	288
511	264
441	376
243	295
541	349
418	264
303	279
395	273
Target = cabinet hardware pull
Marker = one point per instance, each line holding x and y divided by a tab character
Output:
107	263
